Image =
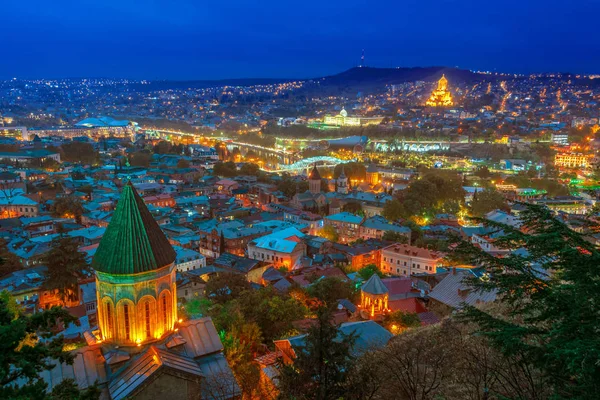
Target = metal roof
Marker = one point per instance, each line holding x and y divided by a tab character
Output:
201	337
219	383
374	286
455	291
137	372
87	368
133	241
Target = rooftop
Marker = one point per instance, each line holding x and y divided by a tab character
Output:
133	242
345	217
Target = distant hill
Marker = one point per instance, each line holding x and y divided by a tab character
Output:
355	79
359	78
368	77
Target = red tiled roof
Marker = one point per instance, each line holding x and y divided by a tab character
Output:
411	304
413	251
397	285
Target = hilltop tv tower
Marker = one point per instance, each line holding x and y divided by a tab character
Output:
362	58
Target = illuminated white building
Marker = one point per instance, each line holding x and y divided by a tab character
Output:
342	119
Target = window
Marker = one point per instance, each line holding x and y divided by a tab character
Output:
126	318
147	311
109	317
164	310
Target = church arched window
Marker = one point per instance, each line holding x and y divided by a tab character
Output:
127	321
165	310
147	318
109	323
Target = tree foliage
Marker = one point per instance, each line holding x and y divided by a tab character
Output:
183	163
331	289
67	207
79	152
395	237
27	348
9	262
321	366
399	321
66	265
353	207
393	210
551	290
225	169
330	233
226	286
290	187
433	193
140	159
368	271
250	169
487	200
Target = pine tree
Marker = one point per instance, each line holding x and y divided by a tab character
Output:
322	363
552	290
222	244
65	266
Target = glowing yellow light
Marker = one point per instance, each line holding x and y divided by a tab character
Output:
440	96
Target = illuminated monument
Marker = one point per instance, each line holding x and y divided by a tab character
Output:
135	276
142	350
440	97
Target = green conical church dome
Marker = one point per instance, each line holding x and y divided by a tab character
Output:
133	241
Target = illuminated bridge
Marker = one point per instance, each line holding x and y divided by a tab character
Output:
307	163
420	146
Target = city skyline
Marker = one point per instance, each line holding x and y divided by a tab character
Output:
215	41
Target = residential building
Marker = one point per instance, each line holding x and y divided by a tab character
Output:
346	224
282	248
188	259
375	227
361	254
18	206
406	260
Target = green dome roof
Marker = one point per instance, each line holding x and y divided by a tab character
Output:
133	241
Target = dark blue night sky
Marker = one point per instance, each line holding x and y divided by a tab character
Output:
195	39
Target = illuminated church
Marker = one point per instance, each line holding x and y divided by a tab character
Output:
141	350
135	276
441	97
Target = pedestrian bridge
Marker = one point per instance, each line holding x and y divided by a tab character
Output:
307	163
